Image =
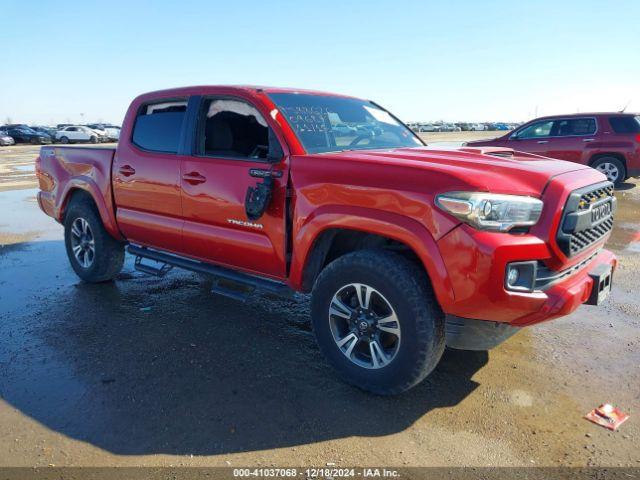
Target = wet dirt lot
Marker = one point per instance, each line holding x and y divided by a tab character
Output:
147	371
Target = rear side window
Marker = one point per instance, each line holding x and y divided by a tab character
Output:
574	126
158	126
626	124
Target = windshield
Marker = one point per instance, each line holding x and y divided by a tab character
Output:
329	124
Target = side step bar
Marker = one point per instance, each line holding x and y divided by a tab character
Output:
245	280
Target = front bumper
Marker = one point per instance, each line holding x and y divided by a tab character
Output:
476	263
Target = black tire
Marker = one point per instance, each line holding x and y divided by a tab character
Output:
611	166
108	256
94	139
34	141
407	289
64	140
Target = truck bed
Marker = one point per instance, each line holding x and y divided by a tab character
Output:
60	169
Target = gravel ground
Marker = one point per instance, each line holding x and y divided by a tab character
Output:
147	371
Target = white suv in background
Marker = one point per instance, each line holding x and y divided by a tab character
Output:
113	132
77	134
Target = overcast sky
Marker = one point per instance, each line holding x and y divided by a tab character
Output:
423	60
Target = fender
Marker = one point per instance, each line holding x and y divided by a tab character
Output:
102	199
397	227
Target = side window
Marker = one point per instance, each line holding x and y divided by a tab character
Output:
574	126
536	130
232	128
625	124
158	126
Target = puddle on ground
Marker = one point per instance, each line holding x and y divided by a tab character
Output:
20	215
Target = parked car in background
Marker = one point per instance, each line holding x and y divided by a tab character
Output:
113	132
107	133
608	142
447	127
6	139
46	131
99	129
477	127
426	127
501	126
77	134
24	134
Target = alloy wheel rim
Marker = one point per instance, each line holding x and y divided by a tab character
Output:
364	326
610	170
83	243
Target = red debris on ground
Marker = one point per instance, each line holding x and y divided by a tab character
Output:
607	416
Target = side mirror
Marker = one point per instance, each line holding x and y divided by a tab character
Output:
275	153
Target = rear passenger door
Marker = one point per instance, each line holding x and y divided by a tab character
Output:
232	139
570	137
146	176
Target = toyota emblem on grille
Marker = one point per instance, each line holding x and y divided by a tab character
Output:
600	212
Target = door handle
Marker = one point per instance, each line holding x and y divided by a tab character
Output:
543	141
194	178
127	170
589	140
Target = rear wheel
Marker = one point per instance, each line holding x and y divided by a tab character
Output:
94	254
377	321
64	140
613	168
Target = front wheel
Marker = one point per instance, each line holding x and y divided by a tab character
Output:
94	139
94	255
64	140
377	321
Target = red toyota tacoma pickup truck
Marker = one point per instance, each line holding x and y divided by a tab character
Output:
405	249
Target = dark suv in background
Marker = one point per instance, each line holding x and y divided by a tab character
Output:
24	134
609	142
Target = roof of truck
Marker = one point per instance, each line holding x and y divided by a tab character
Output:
245	88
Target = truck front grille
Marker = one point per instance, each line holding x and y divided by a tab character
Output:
585	238
586	199
587	218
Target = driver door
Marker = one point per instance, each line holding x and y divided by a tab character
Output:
232	139
533	138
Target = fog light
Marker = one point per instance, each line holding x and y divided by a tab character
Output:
521	276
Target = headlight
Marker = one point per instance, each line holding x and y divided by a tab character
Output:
489	211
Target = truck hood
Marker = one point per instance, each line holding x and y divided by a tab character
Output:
494	169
